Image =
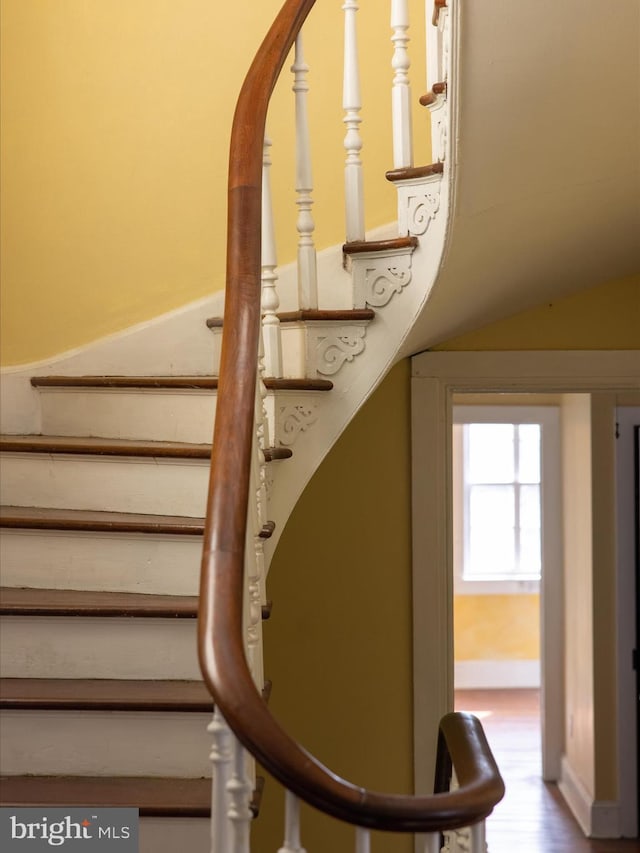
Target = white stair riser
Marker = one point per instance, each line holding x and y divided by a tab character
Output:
97	647
121	484
103	743
169	834
155	415
145	563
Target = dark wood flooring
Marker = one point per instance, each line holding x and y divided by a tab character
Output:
533	817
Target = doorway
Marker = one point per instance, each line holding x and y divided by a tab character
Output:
507	555
593	382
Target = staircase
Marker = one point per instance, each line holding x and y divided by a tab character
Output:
105	498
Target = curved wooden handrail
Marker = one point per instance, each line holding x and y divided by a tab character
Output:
220	637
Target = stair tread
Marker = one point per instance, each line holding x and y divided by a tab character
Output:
152	795
32	601
104	694
103	446
414	172
204	383
45	518
361	247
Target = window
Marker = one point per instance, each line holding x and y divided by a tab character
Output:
498	493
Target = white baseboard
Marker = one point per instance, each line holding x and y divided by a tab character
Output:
597	818
492	674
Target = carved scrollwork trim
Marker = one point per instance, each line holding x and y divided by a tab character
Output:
422	208
334	350
386	279
295	418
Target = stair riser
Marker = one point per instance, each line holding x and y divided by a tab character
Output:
169	487
154	415
102	743
98	647
167	835
144	563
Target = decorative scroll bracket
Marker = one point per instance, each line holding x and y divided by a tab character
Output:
378	276
418	203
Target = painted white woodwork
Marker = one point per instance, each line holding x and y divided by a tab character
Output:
146	563
98	647
307	265
127	484
428	842
149	414
320	348
363	840
167	835
497	674
379	275
239	797
352	104
292	842
270	300
401	87
221	758
418	204
103	743
478	837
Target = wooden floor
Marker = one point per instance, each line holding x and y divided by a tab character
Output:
533	817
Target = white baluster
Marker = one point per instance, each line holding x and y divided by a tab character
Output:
351	102
270	301
478	838
220	756
292	843
428	842
239	813
363	840
401	89
307	269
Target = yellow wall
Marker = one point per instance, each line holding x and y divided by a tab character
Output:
338	645
602	317
496	627
115	130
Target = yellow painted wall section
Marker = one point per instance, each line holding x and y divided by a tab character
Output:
496	627
115	132
338	645
602	317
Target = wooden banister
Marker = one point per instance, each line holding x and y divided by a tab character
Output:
220	643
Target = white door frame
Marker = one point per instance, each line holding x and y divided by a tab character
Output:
436	376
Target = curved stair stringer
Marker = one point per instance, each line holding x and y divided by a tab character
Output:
425	209
547	173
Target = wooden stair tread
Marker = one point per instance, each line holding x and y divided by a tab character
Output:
432	96
347	315
272	384
31	601
414	172
437	6
198	383
154	796
308	315
40	518
104	694
360	247
103	446
54	444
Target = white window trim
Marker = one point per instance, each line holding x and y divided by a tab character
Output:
548	417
